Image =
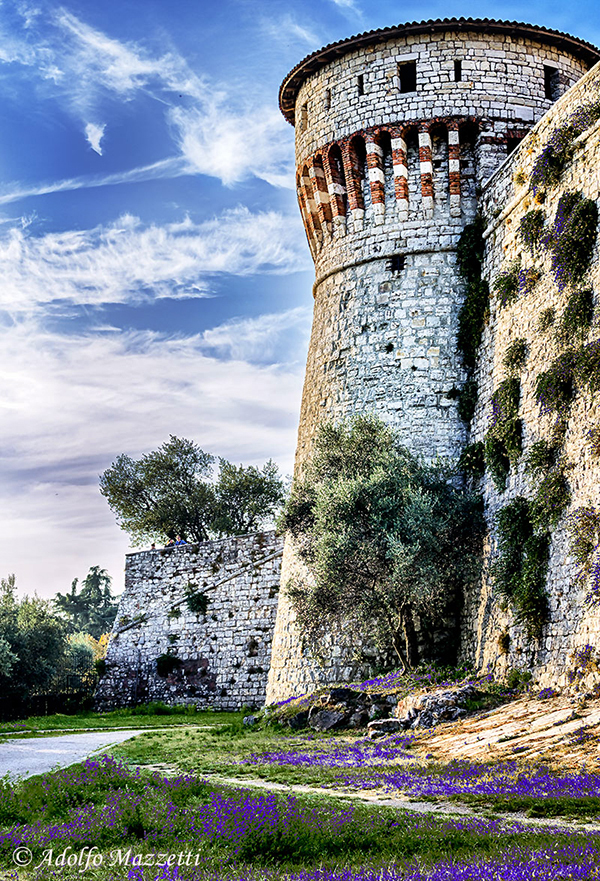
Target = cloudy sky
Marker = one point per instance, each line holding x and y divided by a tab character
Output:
154	274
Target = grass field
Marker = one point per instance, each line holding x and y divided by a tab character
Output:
164	807
149	716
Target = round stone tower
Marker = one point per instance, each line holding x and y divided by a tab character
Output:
396	131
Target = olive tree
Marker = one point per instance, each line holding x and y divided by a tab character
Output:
389	541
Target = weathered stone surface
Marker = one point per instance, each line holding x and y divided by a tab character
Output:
221	658
380	727
383	340
426	710
326	718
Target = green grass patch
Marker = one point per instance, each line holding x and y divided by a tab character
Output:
144	716
562	806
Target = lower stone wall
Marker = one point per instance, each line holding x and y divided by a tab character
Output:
221	658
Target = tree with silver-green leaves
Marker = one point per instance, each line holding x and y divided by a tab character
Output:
173	491
390	542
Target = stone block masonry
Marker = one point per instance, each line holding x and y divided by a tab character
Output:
220	659
574	622
393	147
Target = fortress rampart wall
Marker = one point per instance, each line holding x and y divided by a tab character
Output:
222	657
574	621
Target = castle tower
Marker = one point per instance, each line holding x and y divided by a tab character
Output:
396	131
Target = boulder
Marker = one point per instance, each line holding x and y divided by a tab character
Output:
426	710
381	727
325	718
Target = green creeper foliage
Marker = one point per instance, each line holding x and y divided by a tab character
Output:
503	440
519	572
467	400
546	319
387	540
171	492
515	355
572	238
506	285
472	460
576	318
530	229
474	311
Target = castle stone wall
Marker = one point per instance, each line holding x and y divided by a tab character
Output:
387	174
573	623
224	655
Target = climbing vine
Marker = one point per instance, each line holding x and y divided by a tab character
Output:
519	572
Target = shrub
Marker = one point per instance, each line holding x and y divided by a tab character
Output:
467	400
554	387
551	499
519	573
530	228
496	461
503	440
196	601
515	355
586	366
593	437
546	319
584	528
472	460
572	237
506	285
548	168
541	457
577	317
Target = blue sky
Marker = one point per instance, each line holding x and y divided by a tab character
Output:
155	277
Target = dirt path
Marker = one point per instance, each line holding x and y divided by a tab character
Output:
393	800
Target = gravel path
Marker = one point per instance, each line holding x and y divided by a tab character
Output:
24	756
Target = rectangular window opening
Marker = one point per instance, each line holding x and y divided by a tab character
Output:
327	99
457	71
407	74
395	263
360	82
551	82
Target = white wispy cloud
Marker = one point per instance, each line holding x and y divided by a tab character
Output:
94	134
287	26
259	339
132	391
165	168
85	69
128	261
234	145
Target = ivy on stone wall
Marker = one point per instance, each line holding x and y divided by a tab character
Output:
519	572
523	540
515	355
530	229
475	309
584	527
571	238
576	318
549	166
